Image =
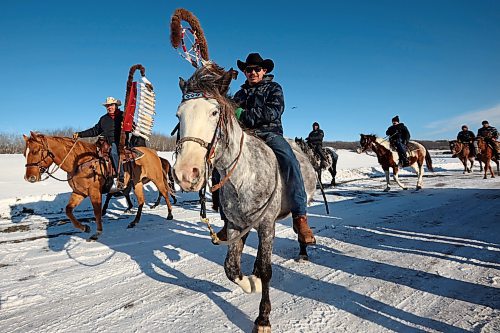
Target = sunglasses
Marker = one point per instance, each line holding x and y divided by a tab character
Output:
250	69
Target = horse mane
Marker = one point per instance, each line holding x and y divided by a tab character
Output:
210	79
384	143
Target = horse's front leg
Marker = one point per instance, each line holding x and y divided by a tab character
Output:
232	264
471	160
387	180
74	200
140	199
491	171
263	271
96	200
395	175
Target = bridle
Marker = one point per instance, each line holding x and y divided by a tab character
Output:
42	169
209	146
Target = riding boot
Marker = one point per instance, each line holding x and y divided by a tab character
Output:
301	228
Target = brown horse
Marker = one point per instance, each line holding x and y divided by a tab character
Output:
463	152
389	159
485	154
85	173
167	178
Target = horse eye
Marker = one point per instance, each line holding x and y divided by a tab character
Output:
214	113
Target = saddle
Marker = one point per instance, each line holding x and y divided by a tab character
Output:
104	150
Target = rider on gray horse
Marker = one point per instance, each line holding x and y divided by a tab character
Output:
399	136
315	141
261	104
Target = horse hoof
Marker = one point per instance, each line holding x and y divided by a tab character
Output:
126	211
406	188
170	216
131	225
94	237
419	188
86	228
261	329
302	258
387	189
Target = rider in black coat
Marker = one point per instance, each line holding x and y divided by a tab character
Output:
467	137
315	140
490	135
399	136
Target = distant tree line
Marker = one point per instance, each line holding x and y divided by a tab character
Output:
352	145
14	144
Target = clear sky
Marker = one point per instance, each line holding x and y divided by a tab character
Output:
350	65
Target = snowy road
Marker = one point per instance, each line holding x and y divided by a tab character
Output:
402	261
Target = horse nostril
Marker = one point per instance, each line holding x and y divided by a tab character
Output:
32	179
196	173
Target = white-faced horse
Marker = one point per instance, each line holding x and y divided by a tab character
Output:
389	159
253	195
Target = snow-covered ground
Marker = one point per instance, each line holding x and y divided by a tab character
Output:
402	261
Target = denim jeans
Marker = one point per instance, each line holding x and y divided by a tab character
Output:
290	169
115	159
401	148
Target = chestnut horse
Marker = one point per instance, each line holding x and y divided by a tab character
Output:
85	173
463	152
389	159
168	179
485	154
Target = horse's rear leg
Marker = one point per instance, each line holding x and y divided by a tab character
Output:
163	189
96	200
263	271
387	180
140	199
74	200
420	175
106	203
158	200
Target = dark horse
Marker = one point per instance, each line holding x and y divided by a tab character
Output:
167	169
86	173
253	195
463	152
331	159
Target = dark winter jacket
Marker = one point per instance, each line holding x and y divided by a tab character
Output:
110	128
316	137
263	104
489	131
465	136
398	132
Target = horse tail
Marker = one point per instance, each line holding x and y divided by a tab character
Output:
428	161
167	176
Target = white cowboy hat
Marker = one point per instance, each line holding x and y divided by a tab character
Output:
111	100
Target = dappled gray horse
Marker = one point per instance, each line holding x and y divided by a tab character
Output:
252	194
331	159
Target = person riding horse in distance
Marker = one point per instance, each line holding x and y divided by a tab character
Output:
399	136
261	104
490	135
109	125
467	137
315	141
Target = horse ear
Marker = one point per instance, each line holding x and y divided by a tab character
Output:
182	85
25	138
225	80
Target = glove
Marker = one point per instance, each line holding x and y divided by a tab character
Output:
75	136
238	113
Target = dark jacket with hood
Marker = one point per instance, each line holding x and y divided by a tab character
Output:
398	132
316	136
264	104
465	136
110	128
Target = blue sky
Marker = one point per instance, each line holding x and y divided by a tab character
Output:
350	65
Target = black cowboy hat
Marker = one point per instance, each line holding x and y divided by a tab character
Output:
254	59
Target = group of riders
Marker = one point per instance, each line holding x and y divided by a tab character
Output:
261	105
487	132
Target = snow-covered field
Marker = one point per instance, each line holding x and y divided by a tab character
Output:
402	261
